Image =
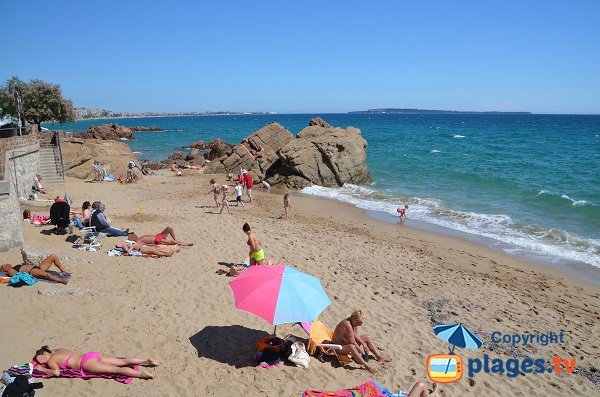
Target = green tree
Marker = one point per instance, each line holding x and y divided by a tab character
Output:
40	101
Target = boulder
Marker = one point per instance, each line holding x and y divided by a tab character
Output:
194	154
256	153
79	157
33	256
327	156
178	155
108	132
319	122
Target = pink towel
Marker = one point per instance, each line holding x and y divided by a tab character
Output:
72	373
368	389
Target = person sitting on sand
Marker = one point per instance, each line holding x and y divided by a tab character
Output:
257	255
265	185
102	224
159	238
37	184
215	189
359	346
132	248
39	271
51	362
83	220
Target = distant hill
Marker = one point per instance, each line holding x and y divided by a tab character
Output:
426	111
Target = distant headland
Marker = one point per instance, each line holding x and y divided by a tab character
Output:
82	113
426	111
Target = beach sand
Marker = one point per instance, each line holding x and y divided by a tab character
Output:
181	312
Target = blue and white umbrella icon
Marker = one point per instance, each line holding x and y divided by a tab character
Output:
457	335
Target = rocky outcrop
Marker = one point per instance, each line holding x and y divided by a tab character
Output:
213	149
107	132
319	122
79	157
320	154
141	128
257	153
327	156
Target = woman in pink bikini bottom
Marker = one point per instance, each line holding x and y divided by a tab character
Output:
51	362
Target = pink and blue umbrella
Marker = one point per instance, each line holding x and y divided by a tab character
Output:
279	294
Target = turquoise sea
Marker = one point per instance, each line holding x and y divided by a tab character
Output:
529	184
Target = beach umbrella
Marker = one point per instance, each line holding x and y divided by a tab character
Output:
457	335
279	294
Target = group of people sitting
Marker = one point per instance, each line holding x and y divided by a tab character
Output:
93	215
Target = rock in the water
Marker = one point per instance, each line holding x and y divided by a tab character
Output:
319	122
216	148
108	132
328	156
141	128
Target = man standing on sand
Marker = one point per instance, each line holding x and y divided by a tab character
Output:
249	184
346	334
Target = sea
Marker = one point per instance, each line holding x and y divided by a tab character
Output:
523	183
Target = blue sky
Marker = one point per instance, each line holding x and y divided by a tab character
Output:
309	56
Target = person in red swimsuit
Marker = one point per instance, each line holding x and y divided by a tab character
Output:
402	211
160	238
51	362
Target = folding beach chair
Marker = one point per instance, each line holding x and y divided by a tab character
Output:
88	239
319	343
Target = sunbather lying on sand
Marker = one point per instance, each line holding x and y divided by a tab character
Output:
160	238
346	334
51	362
40	271
142	249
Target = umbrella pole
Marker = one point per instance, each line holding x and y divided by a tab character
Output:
275	331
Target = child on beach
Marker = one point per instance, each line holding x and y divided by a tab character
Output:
225	202
402	211
239	191
256	254
287	206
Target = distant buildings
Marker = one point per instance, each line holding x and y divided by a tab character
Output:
85	113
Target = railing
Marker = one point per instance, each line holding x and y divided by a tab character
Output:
59	160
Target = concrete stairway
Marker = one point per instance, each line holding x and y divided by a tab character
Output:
48	168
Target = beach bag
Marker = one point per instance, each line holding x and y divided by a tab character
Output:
272	343
299	355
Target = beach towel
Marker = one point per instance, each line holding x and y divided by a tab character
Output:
369	389
20	279
71	373
61	275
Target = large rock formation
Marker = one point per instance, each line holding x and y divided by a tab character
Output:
213	149
320	154
79	156
107	132
257	153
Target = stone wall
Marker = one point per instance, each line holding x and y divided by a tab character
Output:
19	159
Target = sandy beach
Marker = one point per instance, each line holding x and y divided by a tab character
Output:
181	312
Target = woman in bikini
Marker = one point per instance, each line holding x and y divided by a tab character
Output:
51	362
142	249
257	255
216	189
39	271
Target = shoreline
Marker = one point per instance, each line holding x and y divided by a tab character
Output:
434	233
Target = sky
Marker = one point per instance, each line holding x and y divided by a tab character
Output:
309	56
